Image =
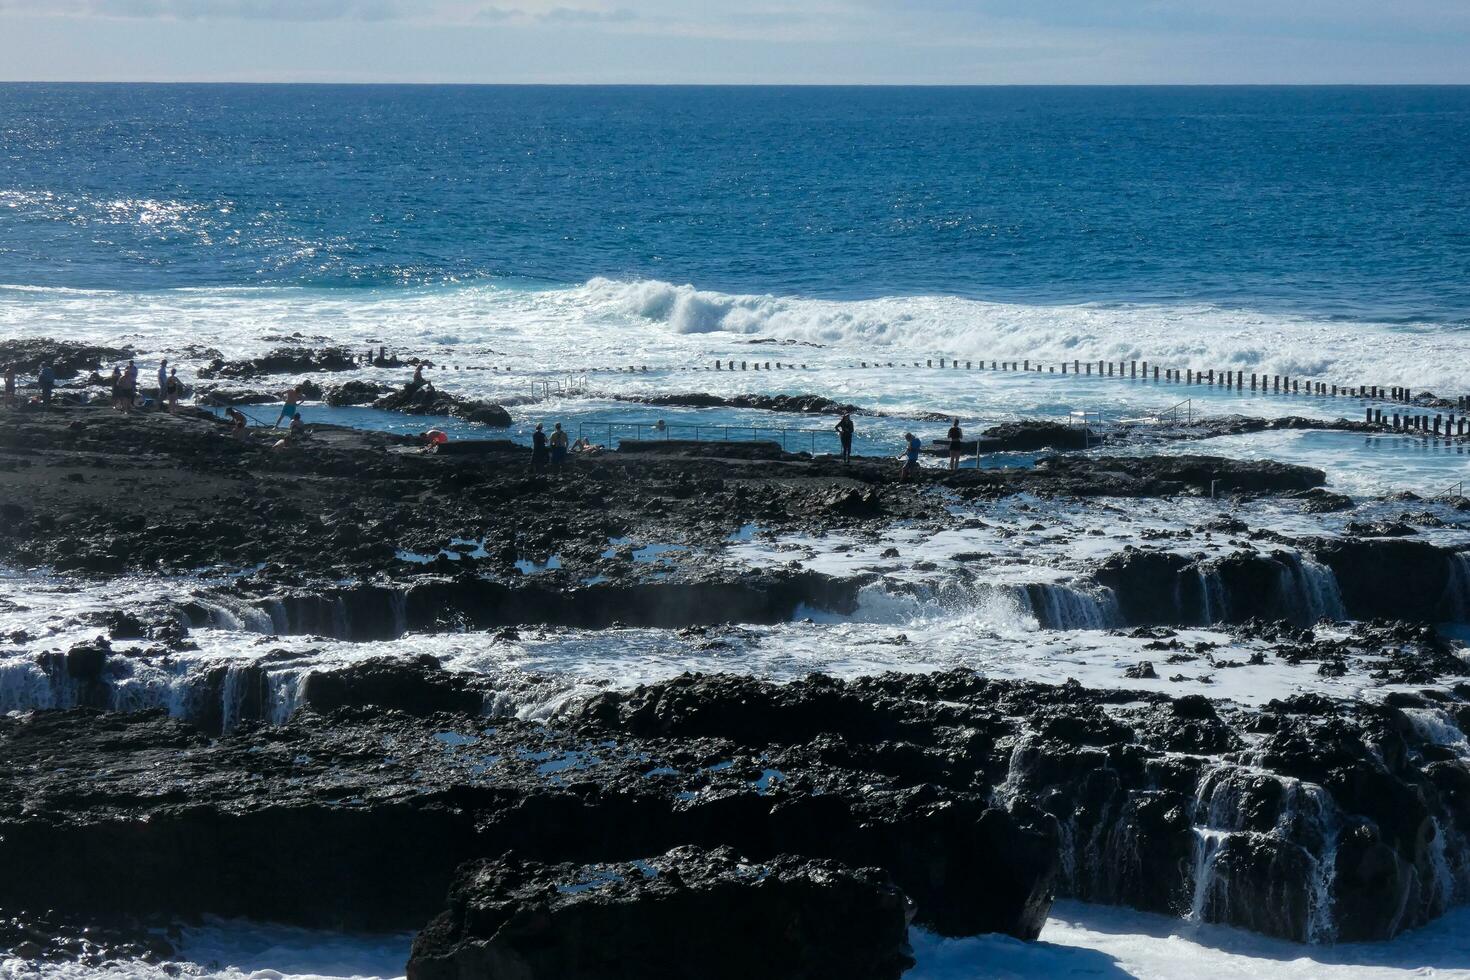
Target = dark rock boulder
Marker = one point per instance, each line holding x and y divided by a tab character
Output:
283	360
1392	578
355	393
415	685
66	358
1030	435
799	404
1147	585
120	819
221	397
1157	476
686	912
425	399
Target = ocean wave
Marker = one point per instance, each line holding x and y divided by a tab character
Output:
1196	336
518	323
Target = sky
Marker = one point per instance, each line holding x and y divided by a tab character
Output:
739	41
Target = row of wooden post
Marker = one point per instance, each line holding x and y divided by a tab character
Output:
1429	425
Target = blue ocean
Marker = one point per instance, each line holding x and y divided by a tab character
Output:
1349	203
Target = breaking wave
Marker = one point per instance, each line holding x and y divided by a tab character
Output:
946	325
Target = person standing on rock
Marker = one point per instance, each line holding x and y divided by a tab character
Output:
162	382
912	445
538	449
558	446
116	382
10	386
844	429
46	378
129	386
956	445
288	410
175	387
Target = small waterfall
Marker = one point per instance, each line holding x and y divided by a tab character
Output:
222	612
1456	601
1232	799
1310	806
1313	588
1206	847
1212	595
280	621
284	689
232	696
398	608
1436	728
24	685
341	621
1067	606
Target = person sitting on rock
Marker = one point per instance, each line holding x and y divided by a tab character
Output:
288	410
10	386
295	432
433	439
237	420
912	445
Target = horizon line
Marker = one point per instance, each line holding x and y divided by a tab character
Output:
578	84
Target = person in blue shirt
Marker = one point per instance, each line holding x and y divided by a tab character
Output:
912	445
46	378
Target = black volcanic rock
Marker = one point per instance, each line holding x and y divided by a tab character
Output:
283	360
686	912
67	359
355	393
359	819
425	399
1029	435
799	404
417	686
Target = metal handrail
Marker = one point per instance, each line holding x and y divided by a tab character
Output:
1454	491
1173	410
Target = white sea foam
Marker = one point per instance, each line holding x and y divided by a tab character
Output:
660	323
1078	940
1185	335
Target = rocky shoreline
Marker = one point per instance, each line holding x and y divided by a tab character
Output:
402	792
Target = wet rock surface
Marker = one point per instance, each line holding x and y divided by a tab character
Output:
425	399
283	360
1310	818
102	493
168	820
798	404
54	938
361	795
712	912
67	359
1169	805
